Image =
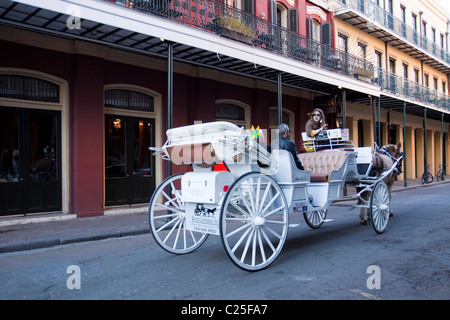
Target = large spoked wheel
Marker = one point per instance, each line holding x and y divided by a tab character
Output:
315	219
254	221
167	219
380	206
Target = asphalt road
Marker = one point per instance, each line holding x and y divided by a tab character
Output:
341	260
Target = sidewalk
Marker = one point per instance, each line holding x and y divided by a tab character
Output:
48	230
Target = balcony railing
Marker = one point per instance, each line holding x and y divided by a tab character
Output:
393	83
209	15
215	17
398	27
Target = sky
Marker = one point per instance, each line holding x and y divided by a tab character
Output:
445	4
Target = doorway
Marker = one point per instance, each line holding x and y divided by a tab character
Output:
129	164
30	161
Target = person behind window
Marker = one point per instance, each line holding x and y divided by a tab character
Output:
285	144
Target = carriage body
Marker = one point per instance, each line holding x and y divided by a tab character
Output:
248	203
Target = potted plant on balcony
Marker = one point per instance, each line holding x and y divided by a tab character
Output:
363	74
233	28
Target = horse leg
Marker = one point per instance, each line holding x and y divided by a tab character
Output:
363	213
391	183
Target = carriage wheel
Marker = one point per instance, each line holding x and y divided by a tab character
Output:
315	219
167	219
380	206
254	221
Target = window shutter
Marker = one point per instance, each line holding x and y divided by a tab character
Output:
326	33
247	6
273	7
310	28
293	20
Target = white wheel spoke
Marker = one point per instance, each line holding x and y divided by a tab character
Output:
261	246
268	240
248	225
240	240
272	232
270	203
250	211
167	224
244	253
172	235
273	211
168	208
171	230
240	209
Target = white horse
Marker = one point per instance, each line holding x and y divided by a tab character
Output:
383	160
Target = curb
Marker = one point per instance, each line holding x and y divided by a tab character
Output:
47	243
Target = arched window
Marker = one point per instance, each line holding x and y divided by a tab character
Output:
28	88
233	111
128	100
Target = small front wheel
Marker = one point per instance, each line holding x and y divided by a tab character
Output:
315	219
254	221
380	206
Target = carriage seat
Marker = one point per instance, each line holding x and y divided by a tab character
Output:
287	171
322	163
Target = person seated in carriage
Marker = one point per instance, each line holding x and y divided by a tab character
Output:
315	125
284	143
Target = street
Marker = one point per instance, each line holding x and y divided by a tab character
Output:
340	260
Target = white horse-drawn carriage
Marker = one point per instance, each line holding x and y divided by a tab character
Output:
244	194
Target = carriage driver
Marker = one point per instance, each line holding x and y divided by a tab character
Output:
286	144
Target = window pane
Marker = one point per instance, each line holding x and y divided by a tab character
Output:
129	100
142	137
274	118
27	88
115	148
9	147
43	134
229	112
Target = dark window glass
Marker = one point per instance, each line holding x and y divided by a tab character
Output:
230	112
128	100
27	88
115	148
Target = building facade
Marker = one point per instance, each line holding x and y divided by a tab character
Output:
85	89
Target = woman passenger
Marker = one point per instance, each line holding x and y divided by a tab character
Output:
316	124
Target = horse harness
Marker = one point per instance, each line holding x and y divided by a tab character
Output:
378	161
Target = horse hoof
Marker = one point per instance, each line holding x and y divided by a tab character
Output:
363	222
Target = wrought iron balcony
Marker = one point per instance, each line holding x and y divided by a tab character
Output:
409	89
230	22
215	17
397	27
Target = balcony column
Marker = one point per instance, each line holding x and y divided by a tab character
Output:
379	122
425	158
280	98
442	140
405	183
344	108
169	95
372	125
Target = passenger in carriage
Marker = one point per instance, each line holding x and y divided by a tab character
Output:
315	125
285	144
